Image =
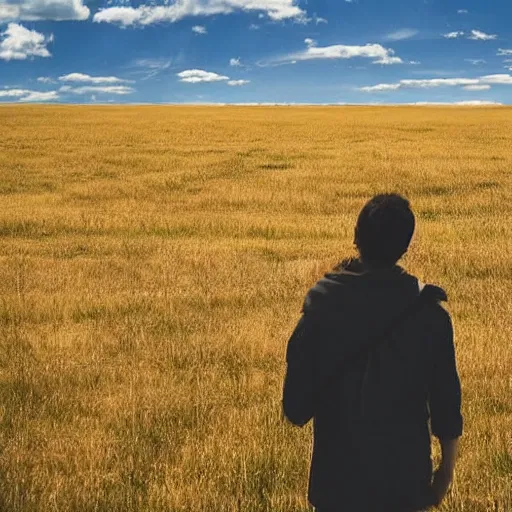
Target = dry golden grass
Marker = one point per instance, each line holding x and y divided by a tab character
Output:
153	262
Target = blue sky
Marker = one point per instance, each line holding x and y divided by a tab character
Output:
256	51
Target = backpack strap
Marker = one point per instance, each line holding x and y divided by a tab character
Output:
427	294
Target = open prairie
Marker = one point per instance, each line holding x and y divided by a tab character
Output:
153	263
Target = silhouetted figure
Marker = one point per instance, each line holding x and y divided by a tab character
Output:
371	361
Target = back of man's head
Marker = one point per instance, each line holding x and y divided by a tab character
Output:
384	230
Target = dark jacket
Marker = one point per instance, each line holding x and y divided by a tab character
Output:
371	448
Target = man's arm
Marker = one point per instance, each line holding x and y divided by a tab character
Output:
298	402
445	406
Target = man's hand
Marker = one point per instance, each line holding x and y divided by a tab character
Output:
442	479
444	474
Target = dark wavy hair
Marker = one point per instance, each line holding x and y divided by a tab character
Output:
384	230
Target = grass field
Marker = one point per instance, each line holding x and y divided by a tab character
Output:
153	263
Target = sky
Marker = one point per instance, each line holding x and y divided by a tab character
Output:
256	51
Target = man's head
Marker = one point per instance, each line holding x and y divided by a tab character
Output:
384	230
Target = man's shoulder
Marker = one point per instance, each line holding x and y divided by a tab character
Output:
438	316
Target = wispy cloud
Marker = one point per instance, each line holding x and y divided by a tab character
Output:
235	83
462	11
38	10
453	35
98	89
45	80
477	35
503	52
400	35
149	68
20	43
487	80
476	62
276	10
235	62
199	29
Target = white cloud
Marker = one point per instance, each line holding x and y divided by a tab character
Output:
422	84
235	62
500	79
238	82
400	35
476	87
487	80
83	78
472	103
313	52
98	89
199	29
253	26
453	35
476	35
124	16
462	11
478	103
149	14
438	82
37	10
319	20
28	95
37	96
380	88
503	53
195	76
476	62
20	43
45	80
13	93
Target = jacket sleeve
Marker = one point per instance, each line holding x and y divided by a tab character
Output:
445	389
298	394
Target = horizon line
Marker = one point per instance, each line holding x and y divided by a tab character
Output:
476	103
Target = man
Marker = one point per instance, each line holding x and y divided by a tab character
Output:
371	361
